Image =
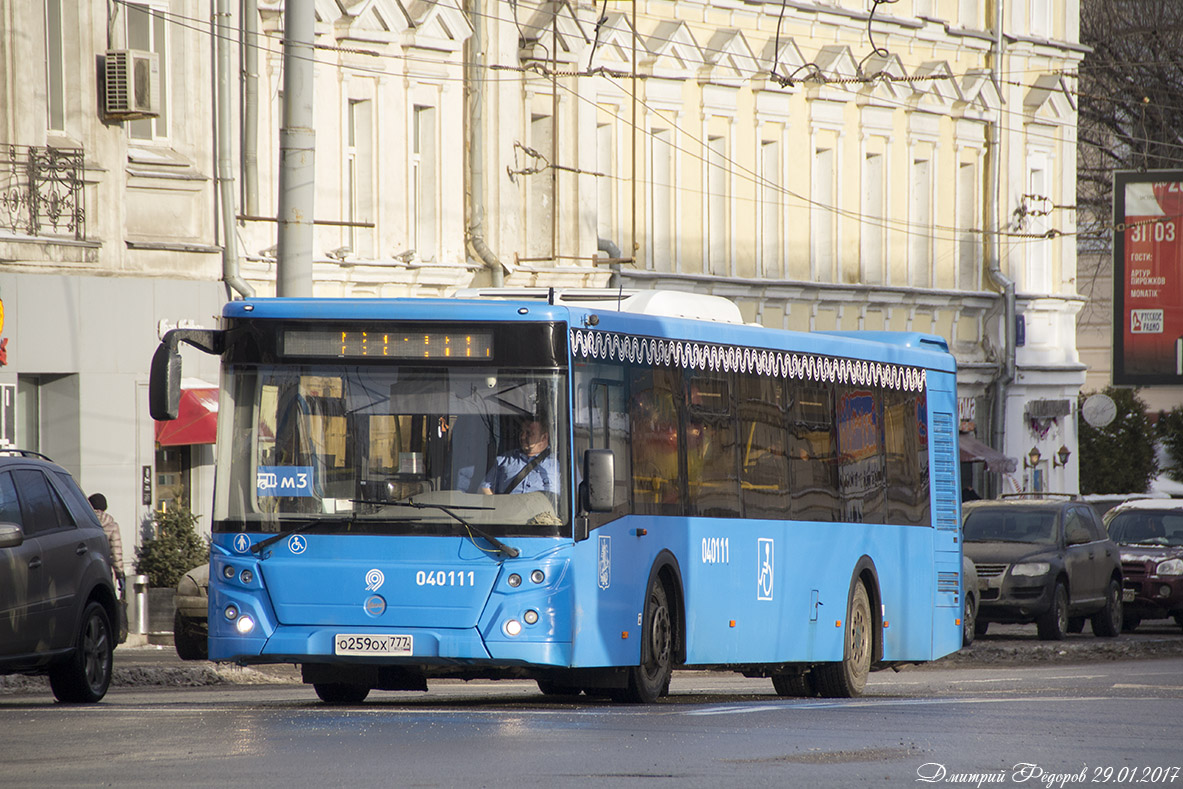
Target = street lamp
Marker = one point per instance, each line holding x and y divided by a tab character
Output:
1063	454
1032	459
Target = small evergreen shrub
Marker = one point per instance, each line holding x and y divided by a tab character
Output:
175	550
1170	430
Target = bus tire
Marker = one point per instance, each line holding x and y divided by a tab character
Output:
651	680
552	688
340	693
848	678
793	684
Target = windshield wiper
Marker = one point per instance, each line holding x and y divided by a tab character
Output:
303	527
508	550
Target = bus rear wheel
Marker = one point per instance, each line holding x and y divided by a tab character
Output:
651	680
552	688
793	684
340	693
848	678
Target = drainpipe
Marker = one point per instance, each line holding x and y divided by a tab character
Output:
230	276
1004	283
476	146
609	248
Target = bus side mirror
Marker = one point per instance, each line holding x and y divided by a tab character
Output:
599	478
164	378
164	383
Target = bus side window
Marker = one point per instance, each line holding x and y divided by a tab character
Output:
602	422
763	452
711	451
813	453
653	416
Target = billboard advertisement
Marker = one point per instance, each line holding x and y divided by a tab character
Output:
1148	277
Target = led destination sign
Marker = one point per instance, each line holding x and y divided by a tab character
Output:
387	345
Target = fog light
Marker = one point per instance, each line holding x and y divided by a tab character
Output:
245	624
537	576
228	572
246	576
231	612
1164	591
513	627
514	580
530	616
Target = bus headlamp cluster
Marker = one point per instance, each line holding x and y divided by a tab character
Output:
513	627
243	623
515	580
246	576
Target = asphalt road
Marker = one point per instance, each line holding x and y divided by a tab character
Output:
1084	704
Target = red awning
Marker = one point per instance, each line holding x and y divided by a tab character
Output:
196	422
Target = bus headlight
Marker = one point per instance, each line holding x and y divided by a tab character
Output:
513	627
245	624
514	580
228	572
246	576
537	576
231	612
530	617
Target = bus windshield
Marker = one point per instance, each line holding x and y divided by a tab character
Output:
358	446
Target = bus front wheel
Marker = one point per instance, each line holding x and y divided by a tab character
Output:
340	693
651	680
848	678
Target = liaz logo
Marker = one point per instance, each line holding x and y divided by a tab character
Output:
284	481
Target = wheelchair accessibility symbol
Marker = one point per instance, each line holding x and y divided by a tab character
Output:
764	557
297	544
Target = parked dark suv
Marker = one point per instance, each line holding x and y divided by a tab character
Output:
1047	561
1150	536
57	596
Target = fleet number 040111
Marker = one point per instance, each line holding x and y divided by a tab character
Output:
445	578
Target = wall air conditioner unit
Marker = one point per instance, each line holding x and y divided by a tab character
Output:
132	84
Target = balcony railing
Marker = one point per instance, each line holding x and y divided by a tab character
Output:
41	191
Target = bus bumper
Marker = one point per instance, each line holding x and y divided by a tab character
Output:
292	644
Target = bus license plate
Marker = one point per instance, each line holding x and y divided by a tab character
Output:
369	644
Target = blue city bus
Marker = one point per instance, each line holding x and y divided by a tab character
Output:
717	496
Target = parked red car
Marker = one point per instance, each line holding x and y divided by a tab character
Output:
1149	533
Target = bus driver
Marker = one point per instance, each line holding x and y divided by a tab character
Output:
527	469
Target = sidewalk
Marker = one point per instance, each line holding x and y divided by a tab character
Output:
139	663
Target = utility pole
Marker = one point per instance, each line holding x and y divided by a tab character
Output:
297	152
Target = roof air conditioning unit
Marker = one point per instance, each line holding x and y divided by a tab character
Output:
133	84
